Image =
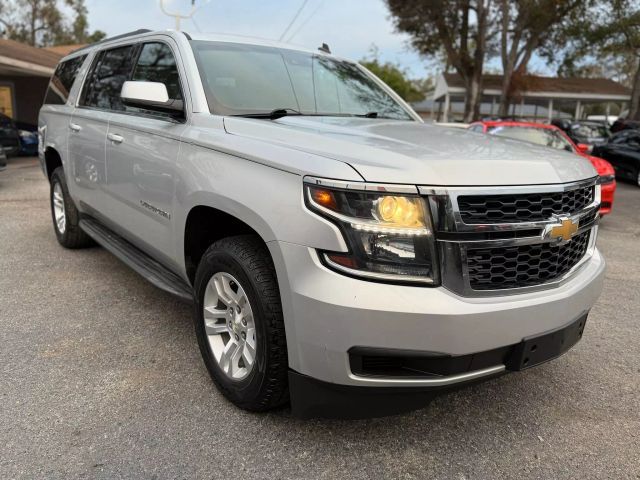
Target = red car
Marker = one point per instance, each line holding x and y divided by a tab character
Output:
551	136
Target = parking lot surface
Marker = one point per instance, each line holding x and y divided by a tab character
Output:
101	377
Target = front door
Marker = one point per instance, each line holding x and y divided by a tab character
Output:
142	153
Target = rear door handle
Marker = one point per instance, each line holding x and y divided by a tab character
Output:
115	138
75	127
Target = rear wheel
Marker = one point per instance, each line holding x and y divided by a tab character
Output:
239	323
65	215
638	177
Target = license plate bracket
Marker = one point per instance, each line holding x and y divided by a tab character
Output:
533	351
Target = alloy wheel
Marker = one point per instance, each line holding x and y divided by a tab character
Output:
58	208
230	326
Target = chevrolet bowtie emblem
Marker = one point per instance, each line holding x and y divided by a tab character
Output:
564	231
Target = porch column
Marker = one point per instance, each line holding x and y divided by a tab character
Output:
578	106
447	105
550	109
522	107
608	111
493	106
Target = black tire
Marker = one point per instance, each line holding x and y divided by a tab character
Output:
72	236
247	259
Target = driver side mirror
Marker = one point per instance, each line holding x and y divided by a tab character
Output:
151	96
584	148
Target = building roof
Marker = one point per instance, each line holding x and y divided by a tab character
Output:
64	50
538	86
21	59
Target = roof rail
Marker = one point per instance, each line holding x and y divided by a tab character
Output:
117	37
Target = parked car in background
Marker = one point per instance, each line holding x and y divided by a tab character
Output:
606	119
3	161
28	143
584	131
9	137
552	136
623	152
624	124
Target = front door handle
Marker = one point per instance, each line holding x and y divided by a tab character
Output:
75	127
115	138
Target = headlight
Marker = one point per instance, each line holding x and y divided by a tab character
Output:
604	179
389	235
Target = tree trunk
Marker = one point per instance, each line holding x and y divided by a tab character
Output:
505	97
473	98
634	105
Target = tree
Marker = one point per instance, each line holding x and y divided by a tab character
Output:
42	23
460	28
525	27
396	78
611	37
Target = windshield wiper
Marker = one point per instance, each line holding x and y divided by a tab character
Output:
286	112
273	114
368	115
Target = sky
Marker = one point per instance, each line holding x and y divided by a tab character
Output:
349	27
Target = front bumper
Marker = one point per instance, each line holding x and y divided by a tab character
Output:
328	314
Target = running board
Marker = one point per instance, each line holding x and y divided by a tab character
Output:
143	264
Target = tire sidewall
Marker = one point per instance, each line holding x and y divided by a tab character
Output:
58	178
248	388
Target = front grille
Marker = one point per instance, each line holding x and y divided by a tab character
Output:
524	265
527	207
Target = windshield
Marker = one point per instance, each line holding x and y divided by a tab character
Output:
540	136
248	79
590	130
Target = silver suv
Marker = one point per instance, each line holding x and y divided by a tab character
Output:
339	252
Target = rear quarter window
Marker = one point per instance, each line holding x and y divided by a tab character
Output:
62	81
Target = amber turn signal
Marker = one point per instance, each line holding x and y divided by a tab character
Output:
324	198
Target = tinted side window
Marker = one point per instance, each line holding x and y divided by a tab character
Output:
111	69
156	63
62	81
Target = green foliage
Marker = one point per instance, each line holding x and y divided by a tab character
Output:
459	28
607	45
44	23
396	78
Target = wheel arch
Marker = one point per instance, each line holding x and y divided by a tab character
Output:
52	160
204	225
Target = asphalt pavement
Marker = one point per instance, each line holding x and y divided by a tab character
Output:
101	377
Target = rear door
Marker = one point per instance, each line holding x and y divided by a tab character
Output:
142	151
90	122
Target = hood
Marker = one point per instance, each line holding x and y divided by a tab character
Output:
389	151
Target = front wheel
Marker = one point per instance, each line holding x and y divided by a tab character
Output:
239	323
